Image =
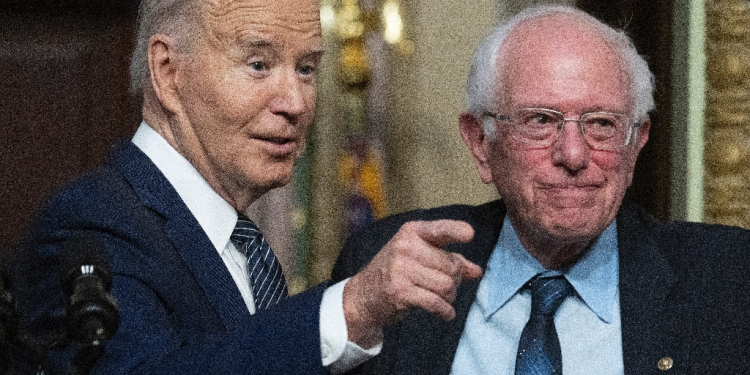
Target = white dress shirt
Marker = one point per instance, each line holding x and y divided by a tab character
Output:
218	218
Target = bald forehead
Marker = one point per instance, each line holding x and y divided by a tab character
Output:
558	39
554	60
556	31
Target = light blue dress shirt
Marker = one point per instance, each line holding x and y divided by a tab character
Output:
588	324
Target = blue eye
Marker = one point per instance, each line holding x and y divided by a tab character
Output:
258	65
306	70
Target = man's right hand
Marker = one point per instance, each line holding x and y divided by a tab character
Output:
412	270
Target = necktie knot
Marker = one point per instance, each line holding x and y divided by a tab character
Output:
539	348
245	234
264	270
548	293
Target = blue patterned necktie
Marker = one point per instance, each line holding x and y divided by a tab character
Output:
539	349
266	277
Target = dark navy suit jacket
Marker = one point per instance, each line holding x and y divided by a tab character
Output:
684	294
181	312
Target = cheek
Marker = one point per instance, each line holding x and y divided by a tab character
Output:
309	91
309	94
513	169
522	161
244	99
220	107
618	166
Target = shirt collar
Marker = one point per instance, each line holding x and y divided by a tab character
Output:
595	277
215	215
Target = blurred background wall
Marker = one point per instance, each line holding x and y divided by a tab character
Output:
64	97
386	138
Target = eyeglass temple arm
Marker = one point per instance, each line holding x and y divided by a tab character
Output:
496	116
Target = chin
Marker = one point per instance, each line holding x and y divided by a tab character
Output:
574	235
276	182
572	228
261	182
280	179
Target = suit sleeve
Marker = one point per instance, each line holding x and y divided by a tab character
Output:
166	324
282	341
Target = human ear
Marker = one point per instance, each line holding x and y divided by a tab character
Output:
163	67
642	135
640	140
472	131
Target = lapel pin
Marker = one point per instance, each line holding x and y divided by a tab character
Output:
665	363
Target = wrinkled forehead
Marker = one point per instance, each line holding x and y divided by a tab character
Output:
238	20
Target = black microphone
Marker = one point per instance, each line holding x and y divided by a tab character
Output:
91	316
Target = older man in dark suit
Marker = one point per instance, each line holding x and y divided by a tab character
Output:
228	94
574	280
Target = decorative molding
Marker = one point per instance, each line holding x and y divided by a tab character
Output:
727	131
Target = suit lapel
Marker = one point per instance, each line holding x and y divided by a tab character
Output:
428	344
654	318
183	230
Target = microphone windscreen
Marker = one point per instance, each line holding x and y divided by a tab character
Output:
84	254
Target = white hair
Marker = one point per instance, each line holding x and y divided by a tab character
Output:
481	87
176	18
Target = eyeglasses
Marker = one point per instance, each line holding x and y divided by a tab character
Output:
540	127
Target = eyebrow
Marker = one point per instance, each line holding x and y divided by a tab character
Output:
257	44
315	52
266	44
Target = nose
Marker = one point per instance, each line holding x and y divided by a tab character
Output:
290	99
571	150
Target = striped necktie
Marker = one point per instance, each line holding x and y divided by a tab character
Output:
539	349
266	277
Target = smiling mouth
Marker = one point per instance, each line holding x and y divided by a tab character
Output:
574	186
570	194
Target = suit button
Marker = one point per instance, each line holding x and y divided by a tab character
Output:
665	363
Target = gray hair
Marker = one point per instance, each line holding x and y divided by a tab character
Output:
481	90
176	18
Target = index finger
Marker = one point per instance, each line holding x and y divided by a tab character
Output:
443	232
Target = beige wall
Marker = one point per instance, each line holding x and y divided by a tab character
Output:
428	164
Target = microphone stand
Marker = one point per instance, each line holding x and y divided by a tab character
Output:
91	315
93	347
92	319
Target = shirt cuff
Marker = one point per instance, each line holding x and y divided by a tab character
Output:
339	354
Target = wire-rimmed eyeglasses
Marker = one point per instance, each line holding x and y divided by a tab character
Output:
540	127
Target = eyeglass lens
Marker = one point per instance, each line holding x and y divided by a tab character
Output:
542	127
